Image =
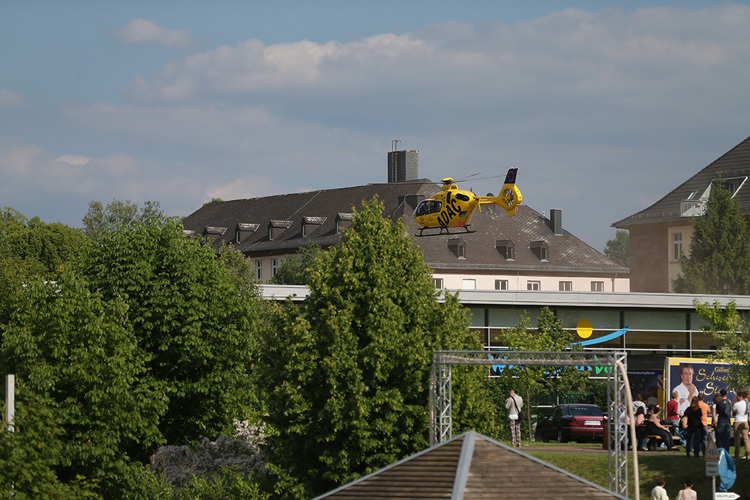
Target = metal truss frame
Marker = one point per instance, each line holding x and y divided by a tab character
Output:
441	418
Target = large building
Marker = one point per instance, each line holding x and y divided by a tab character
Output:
529	251
661	233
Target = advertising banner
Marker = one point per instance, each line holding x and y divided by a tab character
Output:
690	376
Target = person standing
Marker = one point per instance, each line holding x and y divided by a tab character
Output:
513	404
659	493
741	413
722	420
688	493
693	426
705	409
673	413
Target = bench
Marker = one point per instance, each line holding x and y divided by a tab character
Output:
654	442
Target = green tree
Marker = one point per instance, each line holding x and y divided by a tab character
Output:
549	335
38	247
732	331
100	219
193	323
719	259
346	376
30	454
618	249
296	270
76	352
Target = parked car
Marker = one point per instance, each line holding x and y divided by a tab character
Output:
566	422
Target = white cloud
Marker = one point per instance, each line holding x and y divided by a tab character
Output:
573	52
10	99
252	186
140	31
73	160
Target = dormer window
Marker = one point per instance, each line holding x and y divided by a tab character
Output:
458	247
243	230
506	248
343	220
540	249
276	227
213	233
310	224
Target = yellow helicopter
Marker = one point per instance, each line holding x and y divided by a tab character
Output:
453	207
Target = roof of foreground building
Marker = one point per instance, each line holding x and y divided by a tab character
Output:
471	466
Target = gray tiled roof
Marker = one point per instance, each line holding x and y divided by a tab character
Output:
675	205
471	466
566	252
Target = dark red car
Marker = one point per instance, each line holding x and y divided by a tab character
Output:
566	422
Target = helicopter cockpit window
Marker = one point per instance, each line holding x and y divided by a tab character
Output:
427	207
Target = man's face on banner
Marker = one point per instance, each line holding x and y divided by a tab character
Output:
686	374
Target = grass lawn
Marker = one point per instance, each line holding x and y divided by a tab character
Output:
673	466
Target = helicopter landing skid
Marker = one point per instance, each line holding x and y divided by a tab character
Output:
443	230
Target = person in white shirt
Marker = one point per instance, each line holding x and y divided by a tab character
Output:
740	409
659	493
688	493
514	404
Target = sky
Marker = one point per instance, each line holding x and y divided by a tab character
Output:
604	106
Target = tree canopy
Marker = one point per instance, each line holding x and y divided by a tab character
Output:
346	375
732	330
37	247
143	337
75	354
719	258
100	219
193	323
296	269
618	249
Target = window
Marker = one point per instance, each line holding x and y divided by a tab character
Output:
438	282
259	269
676	246
566	286
734	184
310	224
598	286
540	249
469	284
501	284
343	221
533	285
274	267
506	249
458	247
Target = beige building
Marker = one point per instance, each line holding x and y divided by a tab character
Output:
529	251
661	233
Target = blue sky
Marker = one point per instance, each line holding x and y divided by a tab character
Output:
604	106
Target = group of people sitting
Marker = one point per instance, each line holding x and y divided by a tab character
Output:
648	423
